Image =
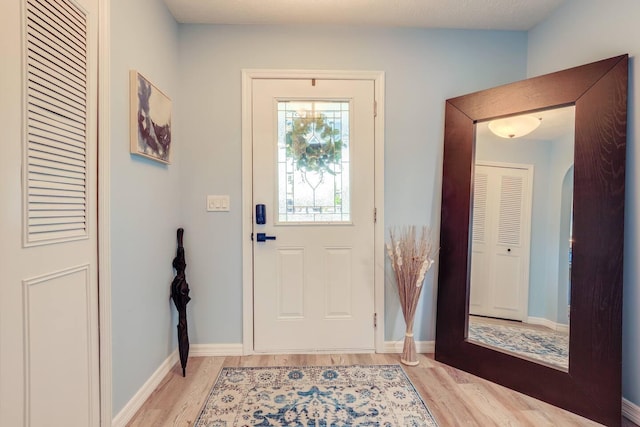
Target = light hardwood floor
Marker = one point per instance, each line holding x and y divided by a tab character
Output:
455	398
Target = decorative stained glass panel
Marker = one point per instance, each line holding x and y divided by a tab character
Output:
313	161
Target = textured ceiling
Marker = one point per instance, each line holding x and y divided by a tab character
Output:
467	14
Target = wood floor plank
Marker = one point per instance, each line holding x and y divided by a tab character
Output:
484	401
454	397
441	395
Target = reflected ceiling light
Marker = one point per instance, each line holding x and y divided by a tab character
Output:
514	127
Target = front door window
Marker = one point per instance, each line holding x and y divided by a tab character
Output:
313	162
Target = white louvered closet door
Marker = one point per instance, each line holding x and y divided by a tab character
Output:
501	233
49	293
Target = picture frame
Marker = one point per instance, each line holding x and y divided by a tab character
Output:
150	119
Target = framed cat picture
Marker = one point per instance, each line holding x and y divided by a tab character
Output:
150	119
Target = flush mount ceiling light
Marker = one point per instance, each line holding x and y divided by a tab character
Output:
514	127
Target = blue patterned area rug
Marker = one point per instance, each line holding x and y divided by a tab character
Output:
327	396
549	347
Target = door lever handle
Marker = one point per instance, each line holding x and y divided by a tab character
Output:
262	237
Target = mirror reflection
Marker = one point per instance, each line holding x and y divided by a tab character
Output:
521	236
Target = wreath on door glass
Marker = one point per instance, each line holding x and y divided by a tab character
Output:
314	145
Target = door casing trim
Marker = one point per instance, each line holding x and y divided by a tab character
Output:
248	75
104	212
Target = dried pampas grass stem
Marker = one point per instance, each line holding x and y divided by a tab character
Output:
411	254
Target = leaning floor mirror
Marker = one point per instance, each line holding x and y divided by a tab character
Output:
531	242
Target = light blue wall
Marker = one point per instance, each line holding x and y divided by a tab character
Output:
423	68
577	33
145	210
558	232
566	224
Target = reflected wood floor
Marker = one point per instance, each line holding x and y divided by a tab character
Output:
454	397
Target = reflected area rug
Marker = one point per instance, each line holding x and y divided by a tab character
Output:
547	346
327	396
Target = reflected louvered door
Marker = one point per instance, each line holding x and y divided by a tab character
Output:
49	294
479	294
501	234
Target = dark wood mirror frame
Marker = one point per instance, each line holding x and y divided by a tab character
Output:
592	386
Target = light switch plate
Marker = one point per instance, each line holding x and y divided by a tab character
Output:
218	203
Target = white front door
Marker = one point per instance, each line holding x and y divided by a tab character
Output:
49	374
501	232
313	170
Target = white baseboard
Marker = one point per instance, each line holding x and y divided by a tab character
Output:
208	350
548	323
396	346
130	409
631	411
